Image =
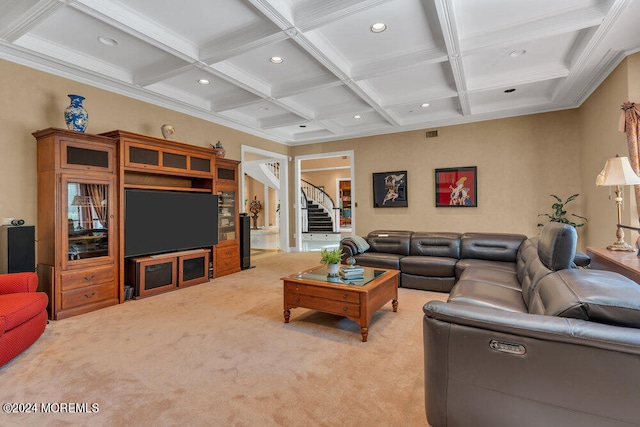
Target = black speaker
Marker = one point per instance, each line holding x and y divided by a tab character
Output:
245	241
17	249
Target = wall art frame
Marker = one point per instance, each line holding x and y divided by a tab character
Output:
457	187
390	189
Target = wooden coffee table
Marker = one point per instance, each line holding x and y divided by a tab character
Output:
357	300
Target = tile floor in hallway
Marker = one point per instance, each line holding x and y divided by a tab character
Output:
267	240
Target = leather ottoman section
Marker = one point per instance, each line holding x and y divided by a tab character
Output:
483	294
436	284
428	266
463	264
373	259
498	277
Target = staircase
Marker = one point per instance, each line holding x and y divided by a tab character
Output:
319	220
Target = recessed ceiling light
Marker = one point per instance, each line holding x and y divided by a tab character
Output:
276	60
108	41
357	116
378	27
509	90
517	53
204	81
424	105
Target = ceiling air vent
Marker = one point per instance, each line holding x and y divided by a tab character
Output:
432	134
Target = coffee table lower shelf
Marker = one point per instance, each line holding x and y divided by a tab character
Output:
356	302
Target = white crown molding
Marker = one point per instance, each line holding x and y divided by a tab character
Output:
18	17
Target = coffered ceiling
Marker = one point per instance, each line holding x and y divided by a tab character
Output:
438	62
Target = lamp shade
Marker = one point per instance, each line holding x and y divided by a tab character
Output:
617	171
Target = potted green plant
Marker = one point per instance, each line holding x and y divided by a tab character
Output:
558	213
331	257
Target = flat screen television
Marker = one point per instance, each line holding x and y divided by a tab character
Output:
168	221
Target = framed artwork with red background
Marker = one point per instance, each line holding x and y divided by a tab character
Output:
457	187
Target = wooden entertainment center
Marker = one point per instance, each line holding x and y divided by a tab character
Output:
82	180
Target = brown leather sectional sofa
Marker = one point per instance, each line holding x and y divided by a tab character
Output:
537	343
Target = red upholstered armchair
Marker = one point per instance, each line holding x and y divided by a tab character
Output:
23	313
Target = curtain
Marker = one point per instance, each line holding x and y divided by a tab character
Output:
98	195
629	123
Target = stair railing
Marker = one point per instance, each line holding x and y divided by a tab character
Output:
304	212
324	200
274	167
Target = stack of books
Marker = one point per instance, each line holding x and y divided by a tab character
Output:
353	272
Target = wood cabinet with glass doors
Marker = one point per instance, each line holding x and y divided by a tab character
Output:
227	251
77	224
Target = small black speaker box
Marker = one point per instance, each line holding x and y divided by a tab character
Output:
17	249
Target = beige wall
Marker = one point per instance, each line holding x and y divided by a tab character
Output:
520	160
599	116
35	100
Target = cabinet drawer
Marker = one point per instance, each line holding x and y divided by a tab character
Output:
88	295
86	277
227	252
227	263
332	294
325	305
228	258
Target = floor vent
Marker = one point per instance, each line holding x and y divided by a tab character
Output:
432	134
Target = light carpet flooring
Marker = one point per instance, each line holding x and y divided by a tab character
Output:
220	354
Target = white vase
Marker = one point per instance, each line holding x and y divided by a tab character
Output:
332	269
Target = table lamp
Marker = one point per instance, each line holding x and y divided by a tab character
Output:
618	172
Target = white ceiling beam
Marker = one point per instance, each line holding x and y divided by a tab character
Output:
511	78
577	85
281	120
533	29
139	26
306	84
239	42
18	17
313	14
396	61
79	61
451	37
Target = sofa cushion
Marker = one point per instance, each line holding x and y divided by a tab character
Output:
596	295
557	245
428	266
16	309
490	246
437	284
435	244
464	264
495	276
390	241
374	259
482	294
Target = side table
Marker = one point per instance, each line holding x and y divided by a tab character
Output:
625	263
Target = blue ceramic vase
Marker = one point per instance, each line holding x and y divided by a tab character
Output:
75	116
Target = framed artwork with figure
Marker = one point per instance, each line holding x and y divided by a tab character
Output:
457	187
390	189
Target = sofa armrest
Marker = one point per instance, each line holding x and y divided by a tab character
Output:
349	249
479	361
14	283
542	327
